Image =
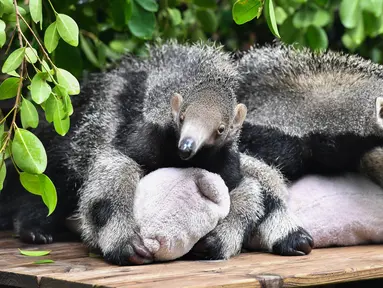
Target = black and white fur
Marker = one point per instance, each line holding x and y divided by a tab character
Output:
115	114
312	113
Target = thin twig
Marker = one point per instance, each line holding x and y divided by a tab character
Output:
6	116
53	8
38	41
18	23
10	41
38	58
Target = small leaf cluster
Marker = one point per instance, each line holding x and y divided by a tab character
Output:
247	10
310	22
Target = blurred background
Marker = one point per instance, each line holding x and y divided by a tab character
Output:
110	28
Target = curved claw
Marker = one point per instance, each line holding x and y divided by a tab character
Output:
297	243
35	236
134	253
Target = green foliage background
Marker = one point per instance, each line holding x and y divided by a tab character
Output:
110	28
66	39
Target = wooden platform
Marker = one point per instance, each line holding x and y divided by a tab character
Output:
74	268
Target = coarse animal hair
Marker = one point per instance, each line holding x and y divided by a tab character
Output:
310	112
120	131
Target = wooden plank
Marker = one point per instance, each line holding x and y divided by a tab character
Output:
74	268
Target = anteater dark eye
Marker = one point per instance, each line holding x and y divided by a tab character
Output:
221	129
182	117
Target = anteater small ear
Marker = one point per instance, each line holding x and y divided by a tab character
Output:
239	115
379	111
175	103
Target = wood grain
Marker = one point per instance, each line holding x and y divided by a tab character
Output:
74	268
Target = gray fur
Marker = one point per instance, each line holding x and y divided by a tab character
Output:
192	71
105	178
276	225
371	165
249	225
301	90
171	68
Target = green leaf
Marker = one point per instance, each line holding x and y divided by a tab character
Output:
44	261
3	172
31	183
87	49
372	25
36	10
128	10
290	34
45	68
8	89
40	89
175	16
118	13
28	152
8	6
208	20
357	34
321	18
101	53
280	15
270	17
61	125
2	25
59	113
51	37
40	185
148	5
306	17
206	3
29	115
246	10
8	149
67	80
4	136
31	55
316	38
49	193
67	29
14	60
67	103
14	73
142	23
373	6
349	13
50	108
34	253
3	36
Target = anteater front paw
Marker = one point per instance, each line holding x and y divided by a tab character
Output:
223	242
129	252
36	236
296	243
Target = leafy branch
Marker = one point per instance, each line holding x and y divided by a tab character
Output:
23	147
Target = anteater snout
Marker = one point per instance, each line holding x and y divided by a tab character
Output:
186	148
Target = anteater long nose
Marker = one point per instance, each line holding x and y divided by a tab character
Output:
186	148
